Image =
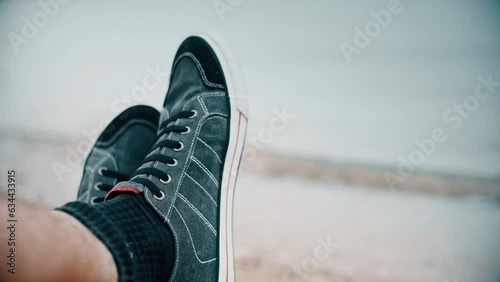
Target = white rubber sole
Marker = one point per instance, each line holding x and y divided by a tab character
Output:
237	90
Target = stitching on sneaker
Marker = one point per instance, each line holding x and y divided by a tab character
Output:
200	69
206	170
192	243
217	156
199	185
188	161
202	217
203	101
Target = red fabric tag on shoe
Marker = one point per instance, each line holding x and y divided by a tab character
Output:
121	189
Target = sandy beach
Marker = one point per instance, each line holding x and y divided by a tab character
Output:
311	221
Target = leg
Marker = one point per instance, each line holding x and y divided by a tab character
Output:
53	246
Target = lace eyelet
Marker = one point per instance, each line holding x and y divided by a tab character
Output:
161	197
93	201
188	129
195	113
173	164
166	181
96	186
180	148
101	169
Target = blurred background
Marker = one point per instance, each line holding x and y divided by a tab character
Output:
374	125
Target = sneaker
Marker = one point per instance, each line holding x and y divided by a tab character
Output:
189	176
118	151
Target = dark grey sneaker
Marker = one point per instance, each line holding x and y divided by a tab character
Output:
190	174
118	151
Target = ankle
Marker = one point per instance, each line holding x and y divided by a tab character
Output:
141	245
94	262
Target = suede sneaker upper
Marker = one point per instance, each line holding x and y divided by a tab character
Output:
118	151
189	175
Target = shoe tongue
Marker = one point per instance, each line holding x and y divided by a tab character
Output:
125	187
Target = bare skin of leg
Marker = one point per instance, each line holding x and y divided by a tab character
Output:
51	246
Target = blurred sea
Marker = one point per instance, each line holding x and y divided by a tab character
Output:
76	70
